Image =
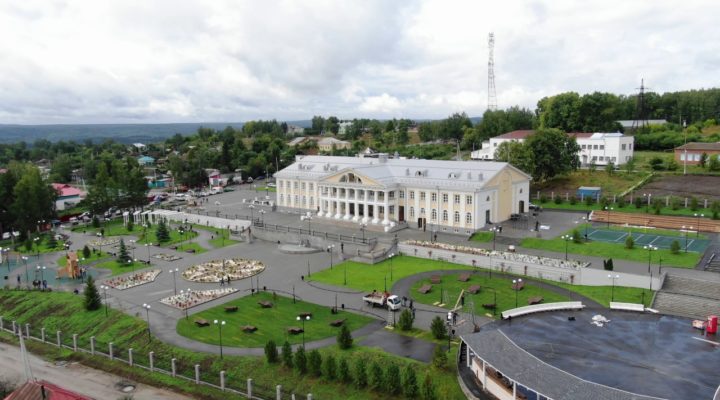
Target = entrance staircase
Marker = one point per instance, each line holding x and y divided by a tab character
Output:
691	297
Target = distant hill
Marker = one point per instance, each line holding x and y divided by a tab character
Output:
123	133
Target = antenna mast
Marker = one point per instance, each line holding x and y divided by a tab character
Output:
492	97
641	119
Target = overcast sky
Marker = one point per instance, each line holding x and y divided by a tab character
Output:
216	61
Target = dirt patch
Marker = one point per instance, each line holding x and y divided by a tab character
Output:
702	187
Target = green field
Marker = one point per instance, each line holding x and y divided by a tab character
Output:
616	251
602	294
64	312
221	237
191	246
374	277
117	268
451	287
482	237
175	237
652	231
272	323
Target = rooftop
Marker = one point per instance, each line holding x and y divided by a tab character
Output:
65	190
330	140
33	391
700	146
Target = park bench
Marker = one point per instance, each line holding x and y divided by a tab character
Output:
173	247
337	322
265	304
464	277
518	285
304	315
614	305
425	289
435	279
202	322
249	328
294	330
231	308
190	251
474	289
535	300
563	305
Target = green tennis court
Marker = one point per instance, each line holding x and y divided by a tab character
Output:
644	239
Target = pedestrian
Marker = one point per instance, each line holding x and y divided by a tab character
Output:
44	284
222	281
435	238
18	280
342	247
404	301
228	281
411	305
413	311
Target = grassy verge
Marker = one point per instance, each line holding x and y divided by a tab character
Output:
221	237
651	231
175	237
603	294
64	312
118	268
184	246
482	237
493	289
375	277
616	251
94	256
271	323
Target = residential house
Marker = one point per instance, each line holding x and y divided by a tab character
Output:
329	144
690	153
68	196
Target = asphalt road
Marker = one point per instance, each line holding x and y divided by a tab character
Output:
75	377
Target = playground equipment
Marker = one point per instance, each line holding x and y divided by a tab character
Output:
72	267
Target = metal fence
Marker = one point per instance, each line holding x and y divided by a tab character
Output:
194	373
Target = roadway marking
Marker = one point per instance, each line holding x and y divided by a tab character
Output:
653	241
689	244
706	341
621	237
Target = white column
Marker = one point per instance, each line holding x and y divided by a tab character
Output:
386	208
321	203
338	208
347	205
375	219
365	207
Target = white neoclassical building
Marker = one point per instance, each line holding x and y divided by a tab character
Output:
456	196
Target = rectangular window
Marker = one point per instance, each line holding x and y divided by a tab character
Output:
412	212
311	186
445	197
623	146
422	196
595	147
457	199
433	197
584	146
602	158
682	156
302	186
602	147
401	194
422	212
468	218
392	210
468	200
295	185
412	195
456	217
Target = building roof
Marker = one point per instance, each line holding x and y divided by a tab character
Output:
296	141
504	355
330	141
628	123
700	146
393	171
519	134
65	190
33	391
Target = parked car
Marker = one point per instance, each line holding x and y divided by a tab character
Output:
271	185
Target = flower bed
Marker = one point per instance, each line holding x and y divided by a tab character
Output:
136	279
166	257
504	255
104	242
193	298
213	271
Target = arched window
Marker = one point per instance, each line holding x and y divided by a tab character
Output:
445	215
433	215
457	217
468	218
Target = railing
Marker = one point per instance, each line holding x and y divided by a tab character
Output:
315	233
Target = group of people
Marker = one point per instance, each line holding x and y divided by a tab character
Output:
224	281
38	284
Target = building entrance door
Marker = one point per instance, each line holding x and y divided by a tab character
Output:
521	207
487	217
401	213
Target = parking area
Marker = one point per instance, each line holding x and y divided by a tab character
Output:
645	239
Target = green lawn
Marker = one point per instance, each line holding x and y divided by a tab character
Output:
117	268
373	277
451	287
615	251
221	236
175	236
602	294
568	183
482	237
112	228
64	312
190	245
272	323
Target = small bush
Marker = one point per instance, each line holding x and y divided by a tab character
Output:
344	338
438	329
675	247
589	200
428	389
573	200
543	199
376	376
95	222
360	374
329	367
86	252
406	320
638	202
315	363
439	359
393	385
694	204
300	360
130	225
621	202
675	203
343	371
409	383
558	200
287	355
271	352
576	237
629	243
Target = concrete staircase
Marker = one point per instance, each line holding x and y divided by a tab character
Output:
688	297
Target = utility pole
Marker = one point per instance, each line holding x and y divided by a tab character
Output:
492	97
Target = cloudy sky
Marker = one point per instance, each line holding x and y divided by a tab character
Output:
189	61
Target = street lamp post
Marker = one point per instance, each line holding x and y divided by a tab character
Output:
650	249
391	266
494	231
698	216
174	273
567	239
182	294
307	318
42	274
25	260
647	205
104	289
516	286
132	243
147	245
362	230
262	216
220	325
252	213
37	247
612	291
147	313
607	213
330	250
686	236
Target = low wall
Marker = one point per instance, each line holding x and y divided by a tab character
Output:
319	242
577	276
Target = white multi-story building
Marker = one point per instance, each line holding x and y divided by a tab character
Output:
454	196
595	148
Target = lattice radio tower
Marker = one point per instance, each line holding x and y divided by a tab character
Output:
492	97
641	119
